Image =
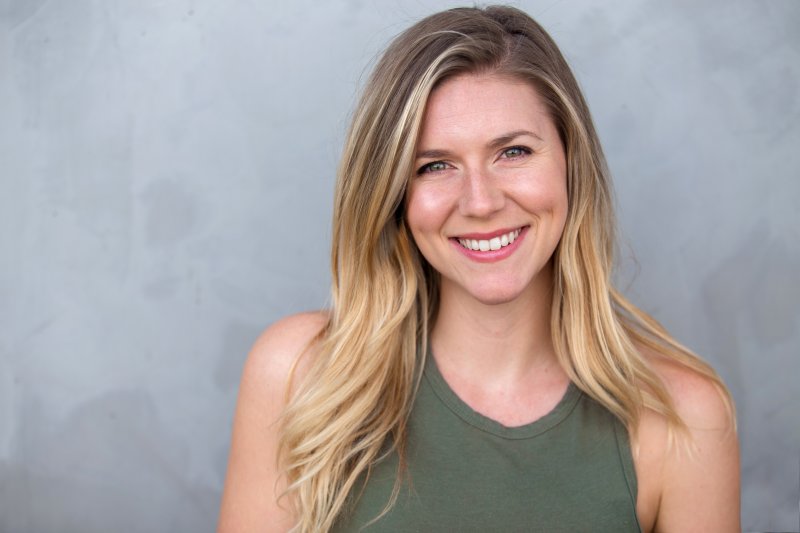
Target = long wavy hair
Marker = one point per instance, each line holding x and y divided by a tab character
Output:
352	407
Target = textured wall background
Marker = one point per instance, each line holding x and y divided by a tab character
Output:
166	172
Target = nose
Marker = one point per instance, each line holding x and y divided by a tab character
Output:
480	196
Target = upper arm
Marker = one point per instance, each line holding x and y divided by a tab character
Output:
701	479
253	483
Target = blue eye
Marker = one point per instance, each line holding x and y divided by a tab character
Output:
436	166
515	152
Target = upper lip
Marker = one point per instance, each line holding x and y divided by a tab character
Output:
487	236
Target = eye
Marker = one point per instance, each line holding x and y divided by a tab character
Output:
515	152
435	166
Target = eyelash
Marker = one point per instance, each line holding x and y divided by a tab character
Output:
522	149
427	168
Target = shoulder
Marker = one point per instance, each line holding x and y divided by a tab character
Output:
699	400
693	477
254	483
280	345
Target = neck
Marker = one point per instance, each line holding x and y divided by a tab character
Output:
494	341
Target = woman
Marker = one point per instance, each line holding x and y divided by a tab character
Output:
477	371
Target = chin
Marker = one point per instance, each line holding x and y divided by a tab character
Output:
495	296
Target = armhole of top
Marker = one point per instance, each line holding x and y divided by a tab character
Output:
628	468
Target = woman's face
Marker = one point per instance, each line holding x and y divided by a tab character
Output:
488	201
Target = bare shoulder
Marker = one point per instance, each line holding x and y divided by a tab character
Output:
692	483
698	399
276	349
253	482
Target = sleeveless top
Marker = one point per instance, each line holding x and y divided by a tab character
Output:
569	471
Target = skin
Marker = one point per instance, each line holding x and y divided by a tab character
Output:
476	178
480	186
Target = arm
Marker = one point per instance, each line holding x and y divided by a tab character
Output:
700	488
253	482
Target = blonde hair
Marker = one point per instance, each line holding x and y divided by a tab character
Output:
353	405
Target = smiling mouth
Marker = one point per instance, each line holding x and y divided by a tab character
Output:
486	245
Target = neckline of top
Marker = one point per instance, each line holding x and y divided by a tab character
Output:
526	431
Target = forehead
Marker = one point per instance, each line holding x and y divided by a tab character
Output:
483	104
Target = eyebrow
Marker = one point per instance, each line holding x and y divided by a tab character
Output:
495	143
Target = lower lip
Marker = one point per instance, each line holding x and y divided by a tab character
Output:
491	256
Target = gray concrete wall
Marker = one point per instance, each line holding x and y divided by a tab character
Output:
166	172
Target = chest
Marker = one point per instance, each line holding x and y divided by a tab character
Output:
571	470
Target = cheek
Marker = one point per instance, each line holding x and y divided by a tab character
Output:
559	200
416	217
544	195
427	211
560	211
427	207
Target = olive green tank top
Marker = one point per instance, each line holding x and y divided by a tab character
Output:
571	470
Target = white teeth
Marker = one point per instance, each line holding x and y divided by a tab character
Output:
494	243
